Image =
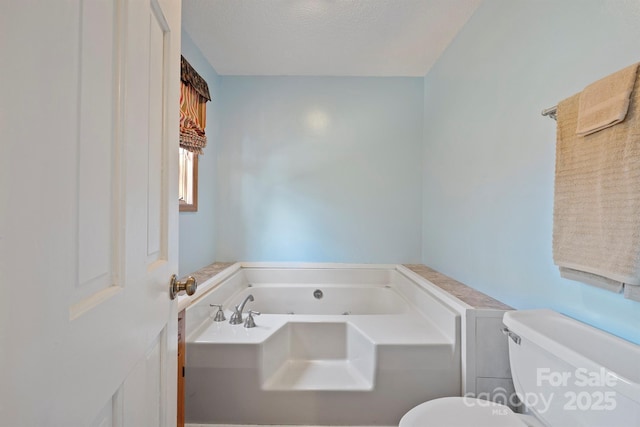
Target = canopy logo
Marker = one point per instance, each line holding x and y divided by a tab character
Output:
578	390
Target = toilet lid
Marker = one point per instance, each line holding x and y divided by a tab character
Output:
460	412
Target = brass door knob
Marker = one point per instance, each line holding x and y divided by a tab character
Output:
190	285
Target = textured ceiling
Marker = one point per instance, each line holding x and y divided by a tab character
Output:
324	37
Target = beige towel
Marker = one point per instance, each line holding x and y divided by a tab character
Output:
606	102
597	196
592	279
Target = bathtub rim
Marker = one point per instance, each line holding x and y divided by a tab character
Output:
185	301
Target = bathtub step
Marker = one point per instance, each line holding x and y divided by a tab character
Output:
328	374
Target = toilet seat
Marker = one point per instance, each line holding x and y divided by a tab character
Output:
461	412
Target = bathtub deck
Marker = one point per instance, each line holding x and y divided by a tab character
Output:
317	375
406	328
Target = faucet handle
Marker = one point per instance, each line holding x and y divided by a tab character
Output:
250	323
219	317
236	316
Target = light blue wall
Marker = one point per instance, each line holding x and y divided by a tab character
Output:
320	169
197	229
489	155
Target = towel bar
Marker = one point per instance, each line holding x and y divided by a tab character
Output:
551	112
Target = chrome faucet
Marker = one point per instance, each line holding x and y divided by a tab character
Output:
250	323
219	316
236	317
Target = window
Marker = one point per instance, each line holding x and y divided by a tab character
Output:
188	186
194	95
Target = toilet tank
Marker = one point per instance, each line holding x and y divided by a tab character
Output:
568	373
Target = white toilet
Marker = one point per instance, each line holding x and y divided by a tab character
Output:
565	372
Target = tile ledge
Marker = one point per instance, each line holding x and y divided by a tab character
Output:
464	293
208	271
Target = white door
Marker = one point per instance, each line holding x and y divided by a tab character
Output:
88	214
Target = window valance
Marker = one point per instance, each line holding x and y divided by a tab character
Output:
192	78
194	94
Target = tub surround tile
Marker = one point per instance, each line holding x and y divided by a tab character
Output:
207	272
202	276
491	348
466	294
485	357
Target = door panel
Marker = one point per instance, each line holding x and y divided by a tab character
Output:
88	241
98	155
156	217
143	389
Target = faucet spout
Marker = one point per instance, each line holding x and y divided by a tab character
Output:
248	298
236	317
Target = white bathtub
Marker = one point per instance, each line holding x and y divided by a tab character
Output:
373	346
334	299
